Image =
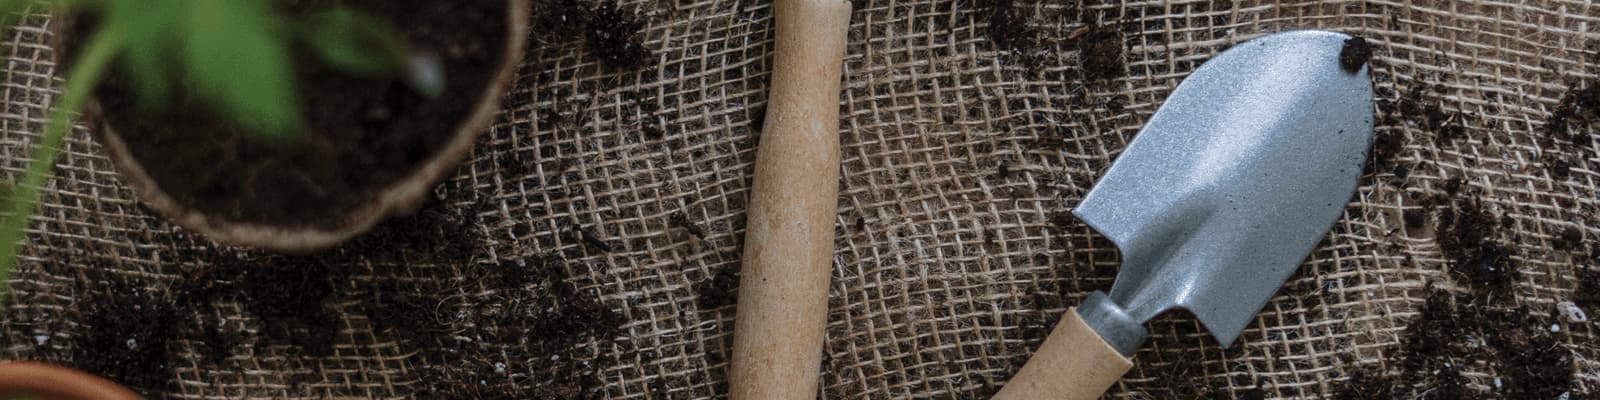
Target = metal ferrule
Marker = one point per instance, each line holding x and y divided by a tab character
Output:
1112	323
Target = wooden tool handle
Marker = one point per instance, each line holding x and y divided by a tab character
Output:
788	247
1074	363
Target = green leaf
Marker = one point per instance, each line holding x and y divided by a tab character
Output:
145	28
235	58
354	42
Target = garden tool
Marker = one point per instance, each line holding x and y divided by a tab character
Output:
788	246
1225	191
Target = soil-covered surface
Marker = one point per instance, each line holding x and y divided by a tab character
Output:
360	136
1520	344
610	33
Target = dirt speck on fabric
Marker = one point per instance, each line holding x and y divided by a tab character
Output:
1354	54
1100	52
1587	295
1365	384
1467	238
125	338
292	296
1008	26
1568	239
1453	331
722	289
609	32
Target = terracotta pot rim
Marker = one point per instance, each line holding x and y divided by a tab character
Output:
400	197
57	382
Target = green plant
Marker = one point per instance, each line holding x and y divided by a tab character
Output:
213	43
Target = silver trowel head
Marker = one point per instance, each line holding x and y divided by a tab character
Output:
1235	179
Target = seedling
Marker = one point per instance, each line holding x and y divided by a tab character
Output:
232	54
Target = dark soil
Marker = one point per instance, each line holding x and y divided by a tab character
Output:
1587	296
1467	237
292	296
360	136
1367	384
461	314
610	33
1419	106
1354	54
1008	26
1571	126
1452	331
125	334
1569	239
1578	109
1414	218
721	290
1100	53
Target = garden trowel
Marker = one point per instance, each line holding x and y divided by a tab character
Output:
1228	187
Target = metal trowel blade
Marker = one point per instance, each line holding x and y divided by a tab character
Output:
1235	179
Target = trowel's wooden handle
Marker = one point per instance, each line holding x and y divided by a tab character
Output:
1074	363
788	247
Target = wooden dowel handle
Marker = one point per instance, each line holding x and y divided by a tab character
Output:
788	247
1074	363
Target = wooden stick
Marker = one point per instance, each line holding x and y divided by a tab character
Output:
1074	363
788	248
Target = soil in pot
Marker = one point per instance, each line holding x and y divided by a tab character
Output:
362	135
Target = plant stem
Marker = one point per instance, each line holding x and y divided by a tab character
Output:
85	74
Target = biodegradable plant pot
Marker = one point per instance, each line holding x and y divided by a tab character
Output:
371	148
50	382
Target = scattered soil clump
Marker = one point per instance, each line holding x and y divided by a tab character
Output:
1008	26
609	33
1367	384
126	332
1354	54
1587	296
1578	109
1100	52
1569	239
1467	237
1571	122
291	296
721	290
1454	331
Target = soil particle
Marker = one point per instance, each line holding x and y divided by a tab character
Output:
360	135
592	239
1587	295
1467	238
1578	109
291	296
1415	218
1452	331
1354	54
722	289
614	36
1008	26
1253	394
126	331
609	32
1569	239
681	220
458	312
1100	52
1367	384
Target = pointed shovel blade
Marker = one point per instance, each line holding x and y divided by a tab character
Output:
1235	179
